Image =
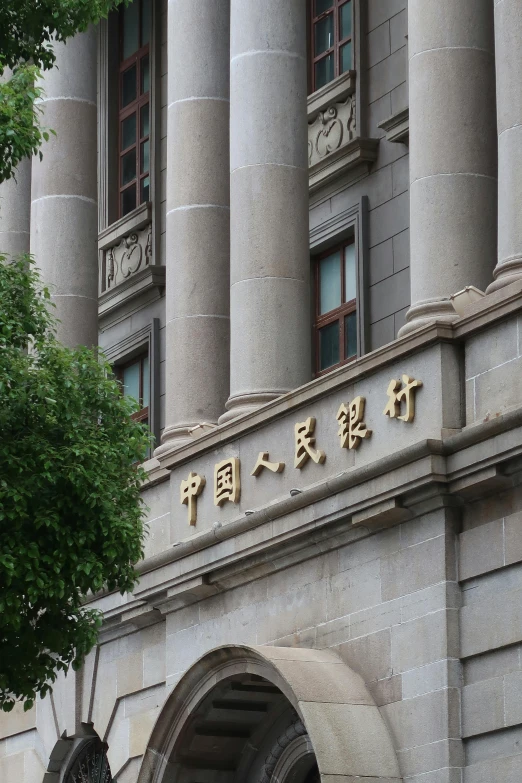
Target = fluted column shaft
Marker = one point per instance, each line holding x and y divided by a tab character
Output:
198	217
64	217
269	267
453	187
508	37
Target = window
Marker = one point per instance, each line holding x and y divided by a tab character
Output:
331	40
135	380
134	106
335	326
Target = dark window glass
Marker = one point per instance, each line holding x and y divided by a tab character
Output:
350	336
324	71
145	22
331	43
324	32
145	75
131	29
128	201
144	131
128	132
145	156
322	5
346	57
335	324
145	189
329	346
329	279
134	139
128	86
128	167
345	13
135	382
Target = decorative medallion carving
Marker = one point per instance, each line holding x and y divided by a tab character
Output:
91	764
332	128
131	254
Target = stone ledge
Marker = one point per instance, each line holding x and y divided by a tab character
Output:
337	90
356	152
136	220
130	295
397	127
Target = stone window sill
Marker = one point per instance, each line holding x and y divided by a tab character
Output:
134	221
397	127
333	92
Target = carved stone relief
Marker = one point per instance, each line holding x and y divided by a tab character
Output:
132	254
331	129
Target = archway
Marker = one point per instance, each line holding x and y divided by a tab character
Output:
268	715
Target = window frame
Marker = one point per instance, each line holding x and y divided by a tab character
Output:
141	415
326	236
337	43
135	107
125	352
339	313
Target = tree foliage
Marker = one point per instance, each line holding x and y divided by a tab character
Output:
70	508
27	32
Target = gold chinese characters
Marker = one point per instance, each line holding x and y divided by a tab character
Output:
227	484
189	491
263	462
351	425
304	444
397	395
352	431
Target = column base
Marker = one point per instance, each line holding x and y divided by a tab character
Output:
243	404
505	273
427	312
179	435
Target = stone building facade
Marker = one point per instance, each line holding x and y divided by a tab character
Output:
295	230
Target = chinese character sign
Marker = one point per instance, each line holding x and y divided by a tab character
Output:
227	481
189	491
397	394
351	424
352	431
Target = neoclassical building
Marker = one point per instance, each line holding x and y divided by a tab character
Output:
296	231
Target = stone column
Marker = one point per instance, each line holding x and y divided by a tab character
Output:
198	217
64	216
270	288
453	187
508	37
15	206
15	210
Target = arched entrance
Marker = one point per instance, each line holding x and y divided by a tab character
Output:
268	715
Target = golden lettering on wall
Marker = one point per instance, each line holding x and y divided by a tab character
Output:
352	430
397	394
304	444
227	484
351	424
263	462
189	491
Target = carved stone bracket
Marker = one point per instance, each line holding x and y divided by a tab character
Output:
334	141
126	248
331	129
132	253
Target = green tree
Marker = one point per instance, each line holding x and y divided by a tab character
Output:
70	509
27	32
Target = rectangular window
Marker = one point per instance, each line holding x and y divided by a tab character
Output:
134	377
335	323
331	42
134	107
